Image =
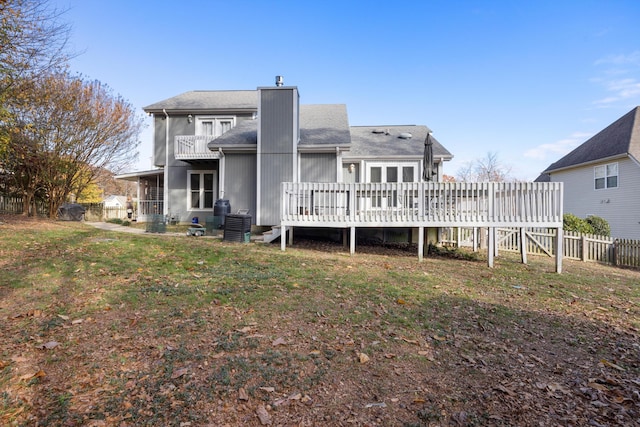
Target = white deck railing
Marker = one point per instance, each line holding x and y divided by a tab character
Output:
193	147
416	204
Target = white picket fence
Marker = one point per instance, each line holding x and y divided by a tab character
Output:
540	241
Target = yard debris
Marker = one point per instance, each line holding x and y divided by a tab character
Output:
263	415
278	341
376	405
242	394
49	345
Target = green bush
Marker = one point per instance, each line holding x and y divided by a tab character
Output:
126	223
570	222
600	225
114	221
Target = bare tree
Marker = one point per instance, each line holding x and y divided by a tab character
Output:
33	41
70	129
489	168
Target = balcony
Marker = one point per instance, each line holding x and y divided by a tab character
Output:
194	147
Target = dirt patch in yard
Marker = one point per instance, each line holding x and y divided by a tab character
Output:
309	337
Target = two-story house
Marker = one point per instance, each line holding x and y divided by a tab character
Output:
241	145
602	176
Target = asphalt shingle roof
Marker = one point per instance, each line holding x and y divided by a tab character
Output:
384	141
320	125
205	100
619	138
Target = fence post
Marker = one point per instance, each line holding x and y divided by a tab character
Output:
583	247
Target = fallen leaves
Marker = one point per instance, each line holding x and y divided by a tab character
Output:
49	345
263	415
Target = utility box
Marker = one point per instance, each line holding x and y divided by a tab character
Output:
237	228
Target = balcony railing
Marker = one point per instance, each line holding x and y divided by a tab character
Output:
415	204
194	147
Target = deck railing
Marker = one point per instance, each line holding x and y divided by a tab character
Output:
193	147
430	204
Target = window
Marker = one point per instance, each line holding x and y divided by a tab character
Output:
389	172
606	176
213	126
202	189
378	172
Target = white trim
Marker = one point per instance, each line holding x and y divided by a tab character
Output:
605	177
165	191
217	120
366	175
202	190
259	161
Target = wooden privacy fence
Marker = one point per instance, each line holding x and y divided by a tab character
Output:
627	252
14	206
540	241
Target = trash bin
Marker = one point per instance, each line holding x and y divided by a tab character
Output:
221	209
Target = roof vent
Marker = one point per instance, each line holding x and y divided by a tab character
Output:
377	131
279	81
405	135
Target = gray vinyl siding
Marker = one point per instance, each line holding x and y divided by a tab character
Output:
620	206
278	117
240	183
318	167
275	170
159	152
277	121
178	190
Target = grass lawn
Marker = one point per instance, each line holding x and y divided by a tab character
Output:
102	328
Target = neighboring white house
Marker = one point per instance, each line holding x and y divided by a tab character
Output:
602	176
114	201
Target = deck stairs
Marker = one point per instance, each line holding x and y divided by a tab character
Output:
271	235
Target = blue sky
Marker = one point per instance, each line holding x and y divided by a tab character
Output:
528	80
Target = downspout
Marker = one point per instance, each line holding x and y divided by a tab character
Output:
165	190
222	164
339	177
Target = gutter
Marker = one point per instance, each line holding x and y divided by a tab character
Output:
165	192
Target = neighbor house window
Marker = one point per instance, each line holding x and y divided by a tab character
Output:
606	176
213	126
202	189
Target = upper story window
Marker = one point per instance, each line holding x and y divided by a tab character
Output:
606	176
214	126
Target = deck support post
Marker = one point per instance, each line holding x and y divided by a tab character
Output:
290	235
491	247
559	249
352	241
420	243
475	239
283	235
523	244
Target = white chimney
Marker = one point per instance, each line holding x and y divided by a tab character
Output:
279	81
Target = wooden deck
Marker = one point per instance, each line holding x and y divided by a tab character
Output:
422	204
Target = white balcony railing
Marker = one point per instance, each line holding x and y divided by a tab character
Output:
415	204
194	147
